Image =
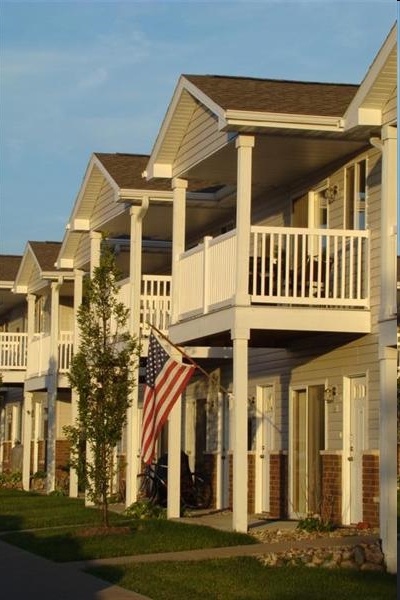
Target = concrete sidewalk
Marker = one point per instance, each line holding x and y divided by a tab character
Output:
25	576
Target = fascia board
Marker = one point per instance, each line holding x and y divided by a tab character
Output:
155	169
136	195
235	118
93	162
352	114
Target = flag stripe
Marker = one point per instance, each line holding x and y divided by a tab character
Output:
165	381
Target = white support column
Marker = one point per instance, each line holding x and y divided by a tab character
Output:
95	250
52	387
174	455
27	408
137	214
388	206
388	350
95	254
387	457
26	440
244	145
179	187
78	292
239	433
38	433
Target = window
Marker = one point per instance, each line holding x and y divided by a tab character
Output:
356	195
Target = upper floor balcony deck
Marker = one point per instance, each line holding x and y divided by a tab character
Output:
33	360
287	268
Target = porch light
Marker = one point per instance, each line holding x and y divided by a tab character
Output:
330	193
330	394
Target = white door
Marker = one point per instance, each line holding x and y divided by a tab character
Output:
265	445
357	444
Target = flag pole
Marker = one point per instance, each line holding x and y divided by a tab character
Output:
189	358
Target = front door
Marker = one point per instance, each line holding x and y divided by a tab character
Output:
265	424
307	441
357	444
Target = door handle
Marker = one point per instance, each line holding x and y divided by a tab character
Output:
262	456
350	458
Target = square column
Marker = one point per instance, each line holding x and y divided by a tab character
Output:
78	292
137	214
26	440
244	145
52	387
239	433
179	187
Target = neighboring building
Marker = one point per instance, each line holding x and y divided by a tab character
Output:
13	342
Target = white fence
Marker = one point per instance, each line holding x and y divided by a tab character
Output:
295	266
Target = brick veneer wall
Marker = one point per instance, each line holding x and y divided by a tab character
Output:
331	507
6	456
250	485
371	489
278	496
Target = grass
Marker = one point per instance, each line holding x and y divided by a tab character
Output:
23	510
245	578
145	536
29	510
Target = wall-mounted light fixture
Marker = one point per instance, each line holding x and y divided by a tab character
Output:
330	394
331	192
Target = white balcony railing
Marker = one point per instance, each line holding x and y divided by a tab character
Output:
65	350
293	266
39	353
13	350
155	301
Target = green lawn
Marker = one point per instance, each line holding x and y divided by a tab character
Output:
23	510
60	538
247	579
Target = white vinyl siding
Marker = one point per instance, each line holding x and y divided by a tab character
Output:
389	113
82	255
105	208
201	139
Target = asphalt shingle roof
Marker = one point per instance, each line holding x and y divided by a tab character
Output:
127	169
9	265
276	96
46	254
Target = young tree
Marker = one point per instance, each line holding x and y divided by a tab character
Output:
102	372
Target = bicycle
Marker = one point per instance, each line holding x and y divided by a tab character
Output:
196	490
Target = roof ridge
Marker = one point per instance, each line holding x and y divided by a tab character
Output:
270	79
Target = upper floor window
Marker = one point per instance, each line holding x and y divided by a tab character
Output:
356	195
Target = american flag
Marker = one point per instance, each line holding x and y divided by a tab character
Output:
165	381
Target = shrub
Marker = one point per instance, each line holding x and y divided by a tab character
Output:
144	509
315	524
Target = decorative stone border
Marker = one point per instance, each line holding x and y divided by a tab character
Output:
363	557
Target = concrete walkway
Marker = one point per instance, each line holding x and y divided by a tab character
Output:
25	576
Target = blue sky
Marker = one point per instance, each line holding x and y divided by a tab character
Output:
81	77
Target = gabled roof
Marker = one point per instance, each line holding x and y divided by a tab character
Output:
275	96
46	254
378	85
126	170
37	266
9	265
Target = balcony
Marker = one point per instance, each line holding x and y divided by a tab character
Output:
288	267
39	353
13	351
155	301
